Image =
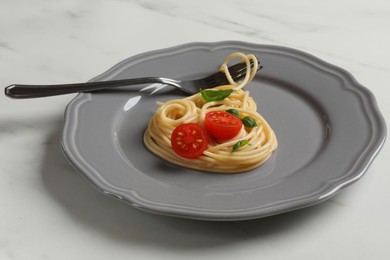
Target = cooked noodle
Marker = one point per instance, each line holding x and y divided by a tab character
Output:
218	157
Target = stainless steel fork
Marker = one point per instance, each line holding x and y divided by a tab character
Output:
18	91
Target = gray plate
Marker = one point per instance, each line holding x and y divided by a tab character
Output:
328	127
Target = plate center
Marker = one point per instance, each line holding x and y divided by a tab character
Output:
298	121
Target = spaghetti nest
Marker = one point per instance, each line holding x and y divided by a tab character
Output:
221	157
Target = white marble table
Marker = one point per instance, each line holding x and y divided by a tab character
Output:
48	211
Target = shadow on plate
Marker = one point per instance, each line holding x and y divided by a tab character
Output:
117	220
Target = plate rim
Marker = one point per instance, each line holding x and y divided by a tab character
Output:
369	104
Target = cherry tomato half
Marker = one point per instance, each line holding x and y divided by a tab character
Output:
222	125
189	140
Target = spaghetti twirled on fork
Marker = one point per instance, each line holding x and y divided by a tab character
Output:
220	156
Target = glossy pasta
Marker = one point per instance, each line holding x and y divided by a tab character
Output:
219	156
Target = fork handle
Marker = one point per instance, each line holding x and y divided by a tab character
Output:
20	91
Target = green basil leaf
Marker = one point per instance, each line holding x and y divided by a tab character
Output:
234	112
249	122
215	95
239	144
